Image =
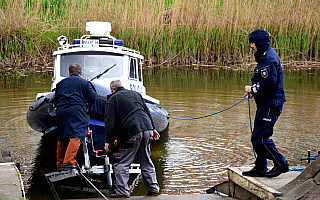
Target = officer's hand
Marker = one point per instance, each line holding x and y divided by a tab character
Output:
107	147
246	96
248	88
156	135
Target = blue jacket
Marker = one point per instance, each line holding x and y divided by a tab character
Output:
267	81
71	97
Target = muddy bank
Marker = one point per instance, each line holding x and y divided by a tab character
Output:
9	66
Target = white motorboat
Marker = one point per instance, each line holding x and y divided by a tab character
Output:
103	58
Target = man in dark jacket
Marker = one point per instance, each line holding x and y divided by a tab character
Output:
71	97
268	92
129	130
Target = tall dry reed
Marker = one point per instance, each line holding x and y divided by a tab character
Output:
163	30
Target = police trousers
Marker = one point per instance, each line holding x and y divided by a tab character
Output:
123	158
264	147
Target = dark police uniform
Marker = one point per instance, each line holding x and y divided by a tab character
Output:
268	92
129	122
71	97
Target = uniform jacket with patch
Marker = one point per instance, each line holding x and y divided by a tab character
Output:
267	81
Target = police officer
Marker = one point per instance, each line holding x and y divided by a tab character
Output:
129	130
71	97
268	92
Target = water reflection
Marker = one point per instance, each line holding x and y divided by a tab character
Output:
17	93
193	155
199	151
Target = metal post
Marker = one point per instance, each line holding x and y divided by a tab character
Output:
108	171
79	169
86	153
309	157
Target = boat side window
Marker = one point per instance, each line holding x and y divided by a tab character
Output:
133	68
140	70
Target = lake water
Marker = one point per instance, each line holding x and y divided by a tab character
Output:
193	155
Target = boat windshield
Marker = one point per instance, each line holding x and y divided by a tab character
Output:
93	63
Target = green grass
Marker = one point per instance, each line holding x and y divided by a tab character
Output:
196	31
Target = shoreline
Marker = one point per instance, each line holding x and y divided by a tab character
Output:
41	67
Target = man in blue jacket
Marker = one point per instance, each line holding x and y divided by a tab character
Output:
71	98
268	92
129	129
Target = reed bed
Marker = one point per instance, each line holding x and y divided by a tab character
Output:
165	31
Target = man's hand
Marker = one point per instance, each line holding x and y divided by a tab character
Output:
107	147
156	135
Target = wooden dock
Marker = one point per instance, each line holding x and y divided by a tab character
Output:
292	185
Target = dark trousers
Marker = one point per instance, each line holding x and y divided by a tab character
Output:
67	150
264	147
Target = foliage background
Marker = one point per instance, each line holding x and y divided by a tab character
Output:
165	31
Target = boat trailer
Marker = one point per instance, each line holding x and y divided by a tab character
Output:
87	169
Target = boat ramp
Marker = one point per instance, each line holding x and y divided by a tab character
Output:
292	185
11	185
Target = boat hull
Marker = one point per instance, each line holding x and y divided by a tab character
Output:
41	115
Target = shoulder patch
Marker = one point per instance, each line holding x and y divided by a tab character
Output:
264	72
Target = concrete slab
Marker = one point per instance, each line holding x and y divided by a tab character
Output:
292	185
185	197
302	190
305	186
310	172
10	182
262	187
175	197
314	194
275	182
251	184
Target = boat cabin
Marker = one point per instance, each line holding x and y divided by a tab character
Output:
97	53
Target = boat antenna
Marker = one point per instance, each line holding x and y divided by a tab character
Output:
99	75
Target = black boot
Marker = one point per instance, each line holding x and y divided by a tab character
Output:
254	172
276	171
